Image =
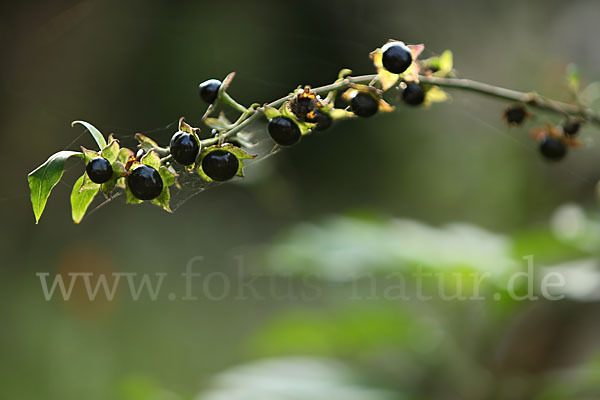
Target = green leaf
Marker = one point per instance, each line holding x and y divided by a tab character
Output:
168	179
446	61
184	126
109	186
434	95
338	113
167	176
118	172
88	184
81	199
163	199
100	141
124	155
43	179
145	142
111	152
89	155
121	183
151	159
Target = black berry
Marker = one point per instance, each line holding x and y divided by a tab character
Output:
209	90
184	148
145	182
284	131
323	120
363	104
220	165
99	170
515	114
571	127
396	57
553	149
413	94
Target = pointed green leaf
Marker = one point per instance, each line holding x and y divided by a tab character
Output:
124	155
118	169
145	142
81	200
435	95
167	176
109	186
87	184
89	155
45	177
446	61
184	126
338	113
121	183
111	152
151	159
163	199
118	172
98	137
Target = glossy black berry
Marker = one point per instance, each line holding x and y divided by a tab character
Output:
515	114
323	121
99	170
284	131
363	104
396	57
184	148
145	182
571	127
209	90
220	165
553	149
413	94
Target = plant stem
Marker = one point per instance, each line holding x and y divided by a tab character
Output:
532	99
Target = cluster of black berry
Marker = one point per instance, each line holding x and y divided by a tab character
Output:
364	101
306	111
148	174
554	141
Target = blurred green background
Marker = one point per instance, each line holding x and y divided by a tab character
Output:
368	196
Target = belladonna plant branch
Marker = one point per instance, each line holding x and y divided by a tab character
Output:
531	99
221	157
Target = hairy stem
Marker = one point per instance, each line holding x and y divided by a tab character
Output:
532	99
